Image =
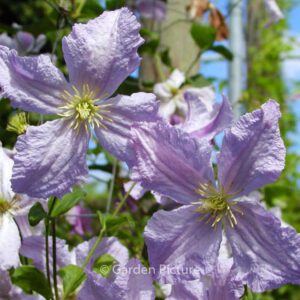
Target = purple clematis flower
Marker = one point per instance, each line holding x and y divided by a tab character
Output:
51	158
24	42
152	9
266	255
11	206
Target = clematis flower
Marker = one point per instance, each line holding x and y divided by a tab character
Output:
23	42
51	158
9	291
265	254
199	113
117	285
274	12
170	95
11	205
152	9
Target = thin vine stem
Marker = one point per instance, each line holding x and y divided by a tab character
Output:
112	184
47	227
54	260
123	200
95	246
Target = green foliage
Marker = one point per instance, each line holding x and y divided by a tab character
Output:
31	280
36	214
223	51
203	35
72	276
67	202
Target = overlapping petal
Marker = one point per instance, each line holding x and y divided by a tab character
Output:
6	165
34	248
181	245
103	52
202	120
31	83
97	287
170	162
252	152
10	242
139	284
119	114
266	254
50	159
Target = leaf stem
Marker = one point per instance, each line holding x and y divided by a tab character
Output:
112	184
54	254
97	242
123	200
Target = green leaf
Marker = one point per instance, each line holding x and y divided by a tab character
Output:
203	35
114	4
36	214
72	277
67	202
198	81
152	41
104	265
223	51
31	279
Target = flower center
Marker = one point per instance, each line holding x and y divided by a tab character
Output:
4	206
81	108
216	204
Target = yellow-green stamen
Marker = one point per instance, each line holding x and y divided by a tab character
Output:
81	108
216	204
4	206
18	123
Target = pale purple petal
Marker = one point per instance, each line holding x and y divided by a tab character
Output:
274	12
108	245
203	122
137	191
7	41
34	248
25	41
191	290
119	115
103	52
152	9
170	162
40	41
5	284
97	287
31	83
25	228
10	242
139	284
266	254
179	239
50	159
6	165
252	152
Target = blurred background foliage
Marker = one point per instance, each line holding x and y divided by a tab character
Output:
265	49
